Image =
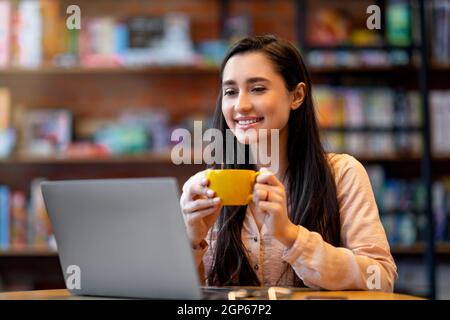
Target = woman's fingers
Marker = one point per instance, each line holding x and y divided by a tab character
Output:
201	189
209	214
267	177
201	204
204	213
269	207
265	195
269	188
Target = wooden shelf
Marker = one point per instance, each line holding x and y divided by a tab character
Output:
442	248
163	157
440	67
28	252
199	69
314	70
52	70
348	129
157	69
393	158
407	69
352	47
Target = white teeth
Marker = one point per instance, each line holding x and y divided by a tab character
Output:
245	122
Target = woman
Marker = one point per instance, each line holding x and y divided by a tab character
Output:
314	221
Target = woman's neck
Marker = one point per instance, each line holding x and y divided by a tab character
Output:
278	156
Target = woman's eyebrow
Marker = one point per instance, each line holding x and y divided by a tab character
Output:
249	80
257	79
228	83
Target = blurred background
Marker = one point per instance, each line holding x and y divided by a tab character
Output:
102	101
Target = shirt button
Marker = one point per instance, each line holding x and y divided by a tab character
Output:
256	267
255	239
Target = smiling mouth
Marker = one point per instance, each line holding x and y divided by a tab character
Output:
246	122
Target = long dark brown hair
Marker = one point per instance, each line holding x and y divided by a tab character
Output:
311	189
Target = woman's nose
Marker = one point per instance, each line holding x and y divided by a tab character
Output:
243	104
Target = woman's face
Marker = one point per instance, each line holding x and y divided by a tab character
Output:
254	96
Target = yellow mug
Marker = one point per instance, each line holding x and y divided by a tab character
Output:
233	186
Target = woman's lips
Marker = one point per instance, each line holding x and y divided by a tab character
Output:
245	123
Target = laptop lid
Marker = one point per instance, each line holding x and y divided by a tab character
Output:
125	238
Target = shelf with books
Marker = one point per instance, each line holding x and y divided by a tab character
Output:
393	129
153	69
362	70
119	34
212	70
442	248
392	159
165	158
201	69
149	157
443	67
28	252
350	47
418	248
410	70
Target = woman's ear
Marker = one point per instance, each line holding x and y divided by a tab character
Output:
299	94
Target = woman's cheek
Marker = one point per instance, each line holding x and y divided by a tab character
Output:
227	113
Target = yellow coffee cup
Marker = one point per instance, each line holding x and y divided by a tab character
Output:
233	186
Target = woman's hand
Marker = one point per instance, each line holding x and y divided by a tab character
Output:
269	196
199	206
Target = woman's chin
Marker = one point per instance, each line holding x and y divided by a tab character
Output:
247	138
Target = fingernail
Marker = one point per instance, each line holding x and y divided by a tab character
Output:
210	192
216	200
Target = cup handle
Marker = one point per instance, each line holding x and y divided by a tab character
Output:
250	197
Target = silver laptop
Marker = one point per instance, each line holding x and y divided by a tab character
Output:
122	238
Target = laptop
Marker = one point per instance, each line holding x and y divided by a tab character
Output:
123	238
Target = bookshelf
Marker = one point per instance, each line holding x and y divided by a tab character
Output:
180	89
416	66
206	69
165	70
442	248
164	157
146	158
28	252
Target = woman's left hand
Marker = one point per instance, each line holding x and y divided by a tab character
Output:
269	197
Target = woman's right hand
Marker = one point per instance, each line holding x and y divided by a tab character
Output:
199	206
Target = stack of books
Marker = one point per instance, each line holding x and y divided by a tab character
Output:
7	134
440	119
401	204
24	223
33	33
369	122
440	36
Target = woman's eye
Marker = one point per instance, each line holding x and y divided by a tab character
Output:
259	89
229	92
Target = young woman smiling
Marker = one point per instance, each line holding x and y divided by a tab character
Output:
314	222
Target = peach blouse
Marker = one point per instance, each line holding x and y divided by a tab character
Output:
362	262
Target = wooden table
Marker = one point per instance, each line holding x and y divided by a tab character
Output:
63	294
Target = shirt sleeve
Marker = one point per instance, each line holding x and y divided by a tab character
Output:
364	261
199	253
203	256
